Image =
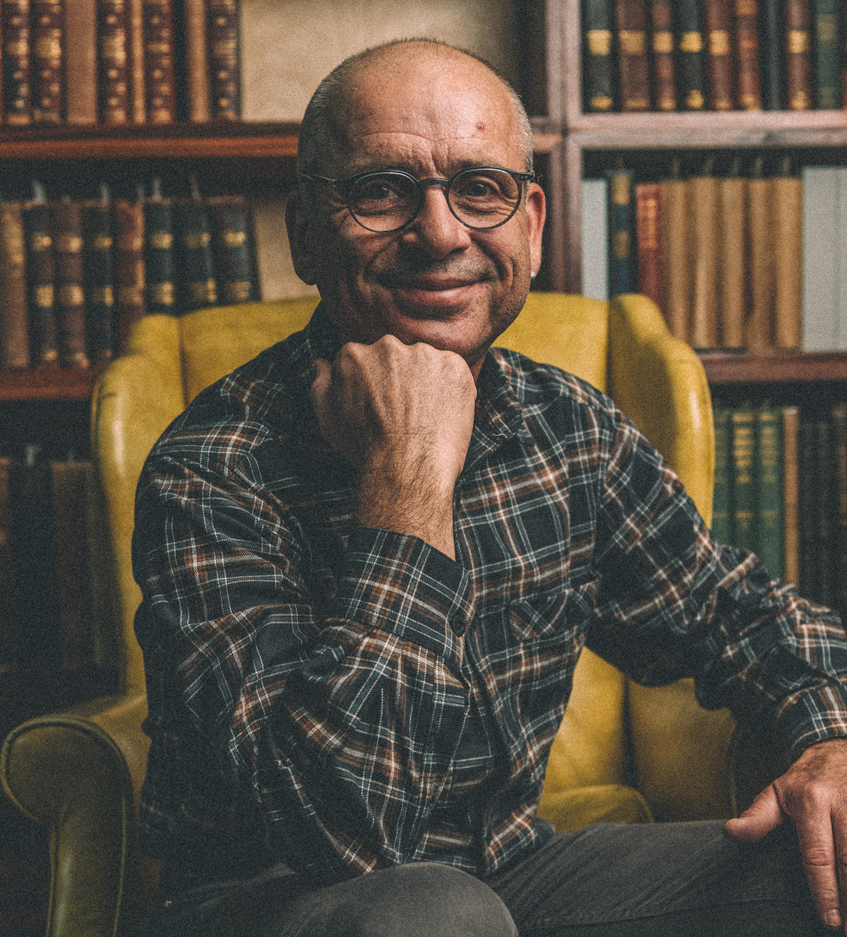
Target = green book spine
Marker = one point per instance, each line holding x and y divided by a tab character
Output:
769	541
808	509
197	287
772	54
691	55
826	54
597	61
743	487
9	619
159	256
98	246
622	257
825	514
721	507
234	246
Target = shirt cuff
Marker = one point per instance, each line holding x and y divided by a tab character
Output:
817	714
401	584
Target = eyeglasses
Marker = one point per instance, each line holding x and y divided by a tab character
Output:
481	197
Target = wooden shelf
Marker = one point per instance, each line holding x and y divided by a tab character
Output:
49	384
724	368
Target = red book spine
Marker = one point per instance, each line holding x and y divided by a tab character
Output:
664	52
648	231
798	54
47	46
70	284
113	62
14	28
633	63
719	54
224	59
159	76
747	54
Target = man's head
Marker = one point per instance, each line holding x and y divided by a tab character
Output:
430	111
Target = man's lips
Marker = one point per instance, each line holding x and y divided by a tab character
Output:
431	291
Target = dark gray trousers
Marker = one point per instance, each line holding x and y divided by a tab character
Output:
661	880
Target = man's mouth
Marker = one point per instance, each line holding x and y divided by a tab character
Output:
430	291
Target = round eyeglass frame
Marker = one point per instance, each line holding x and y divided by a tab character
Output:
346	186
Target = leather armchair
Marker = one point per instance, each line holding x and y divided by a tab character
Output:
623	753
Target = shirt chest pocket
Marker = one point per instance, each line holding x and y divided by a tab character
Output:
551	614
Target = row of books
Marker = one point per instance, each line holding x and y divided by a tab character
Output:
56	610
781	491
721	255
75	275
720	55
119	61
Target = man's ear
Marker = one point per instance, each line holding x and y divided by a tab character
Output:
297	225
536	209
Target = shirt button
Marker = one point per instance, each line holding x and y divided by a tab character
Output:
457	623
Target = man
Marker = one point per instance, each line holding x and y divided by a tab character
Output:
370	559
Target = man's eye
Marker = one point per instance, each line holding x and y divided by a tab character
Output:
377	191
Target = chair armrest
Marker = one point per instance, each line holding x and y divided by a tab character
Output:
78	773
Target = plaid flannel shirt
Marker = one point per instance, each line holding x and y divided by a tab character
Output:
343	698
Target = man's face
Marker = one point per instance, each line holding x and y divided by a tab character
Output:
436	280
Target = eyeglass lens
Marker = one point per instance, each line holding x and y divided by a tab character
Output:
480	198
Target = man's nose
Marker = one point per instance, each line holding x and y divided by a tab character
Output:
436	229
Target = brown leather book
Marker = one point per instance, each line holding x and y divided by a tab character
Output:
747	55
732	238
196	61
14	326
81	63
41	284
798	54
224	59
704	260
159	74
759	324
129	266
719	54
135	51
70	283
675	234
15	33
786	226
113	61
663	49
648	233
633	61
47	39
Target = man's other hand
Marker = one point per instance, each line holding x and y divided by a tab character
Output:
403	416
813	795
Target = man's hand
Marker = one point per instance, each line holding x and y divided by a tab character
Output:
403	416
813	795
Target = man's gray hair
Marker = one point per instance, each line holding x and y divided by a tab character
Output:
319	131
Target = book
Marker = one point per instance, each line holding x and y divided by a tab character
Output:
790	493
234	249
113	61
41	284
14	318
47	45
69	283
15	61
159	272
621	225
743	497
594	233
798	54
691	55
807	458
732	247
721	503
34	552
137	87
98	252
826	55
786	231
195	66
758	332
838	418
703	259
772	58
648	228
130	302
769	494
676	266
8	614
80	57
197	287
598	73
633	62
821	235
224	59
747	57
718	22
663	50
823	492
159	50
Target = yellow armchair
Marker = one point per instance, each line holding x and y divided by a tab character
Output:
80	772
